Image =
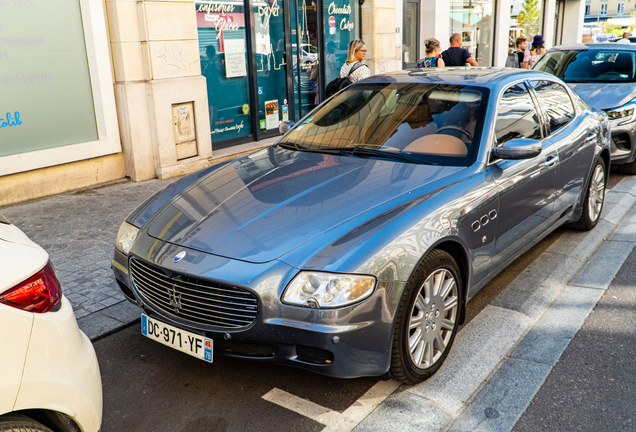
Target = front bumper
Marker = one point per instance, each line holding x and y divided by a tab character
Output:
349	342
623	143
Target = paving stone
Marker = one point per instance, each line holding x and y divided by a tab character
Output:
547	339
535	288
123	311
477	350
405	412
581	245
616	205
626	230
603	266
96	324
627	184
501	401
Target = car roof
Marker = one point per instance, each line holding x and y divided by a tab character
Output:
586	46
478	76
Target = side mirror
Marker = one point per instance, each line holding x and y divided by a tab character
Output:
519	148
285	126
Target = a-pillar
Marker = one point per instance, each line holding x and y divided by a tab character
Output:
160	93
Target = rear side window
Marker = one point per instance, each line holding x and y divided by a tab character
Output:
517	117
555	101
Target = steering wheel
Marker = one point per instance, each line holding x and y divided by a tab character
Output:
457	128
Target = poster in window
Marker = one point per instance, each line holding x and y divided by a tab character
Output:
271	114
235	58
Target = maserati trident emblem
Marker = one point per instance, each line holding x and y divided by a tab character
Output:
178	257
175	298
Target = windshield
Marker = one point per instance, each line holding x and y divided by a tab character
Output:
593	65
437	124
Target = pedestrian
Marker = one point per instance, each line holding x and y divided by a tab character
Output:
537	51
456	55
515	59
356	54
624	39
432	58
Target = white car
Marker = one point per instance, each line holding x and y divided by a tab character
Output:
49	375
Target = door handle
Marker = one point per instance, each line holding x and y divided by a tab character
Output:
590	138
551	160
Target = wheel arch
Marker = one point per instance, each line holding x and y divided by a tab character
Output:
54	420
459	254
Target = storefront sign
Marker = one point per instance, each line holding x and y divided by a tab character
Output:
235	58
266	12
345	23
46	98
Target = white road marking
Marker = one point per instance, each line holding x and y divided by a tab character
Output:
333	420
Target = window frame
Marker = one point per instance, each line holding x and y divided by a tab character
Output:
545	115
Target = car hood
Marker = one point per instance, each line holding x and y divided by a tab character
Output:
605	96
261	206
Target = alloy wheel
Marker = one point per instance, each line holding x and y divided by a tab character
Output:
433	318
596	193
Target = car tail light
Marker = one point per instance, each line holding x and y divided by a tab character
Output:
40	293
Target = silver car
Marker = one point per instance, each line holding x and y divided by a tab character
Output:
604	75
351	246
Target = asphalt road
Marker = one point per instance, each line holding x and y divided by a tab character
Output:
593	386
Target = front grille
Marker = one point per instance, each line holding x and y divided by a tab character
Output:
194	300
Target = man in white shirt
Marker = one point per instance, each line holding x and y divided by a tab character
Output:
625	39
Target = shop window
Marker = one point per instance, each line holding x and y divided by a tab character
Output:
473	20
526	20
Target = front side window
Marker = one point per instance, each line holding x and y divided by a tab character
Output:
437	124
593	65
517	117
555	102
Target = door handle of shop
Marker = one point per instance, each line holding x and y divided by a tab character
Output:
551	161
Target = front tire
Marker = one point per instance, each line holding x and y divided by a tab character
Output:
594	198
427	319
21	423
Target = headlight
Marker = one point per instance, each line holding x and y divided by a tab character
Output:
327	290
126	237
624	114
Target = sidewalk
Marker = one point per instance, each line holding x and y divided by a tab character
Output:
78	231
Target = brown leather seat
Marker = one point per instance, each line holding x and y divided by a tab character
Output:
438	145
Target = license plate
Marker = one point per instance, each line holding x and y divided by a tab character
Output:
181	340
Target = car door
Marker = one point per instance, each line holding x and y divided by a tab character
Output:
526	187
571	137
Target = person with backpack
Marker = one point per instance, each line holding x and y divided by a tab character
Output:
353	70
432	58
515	59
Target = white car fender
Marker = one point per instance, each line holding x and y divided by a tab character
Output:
15	329
61	370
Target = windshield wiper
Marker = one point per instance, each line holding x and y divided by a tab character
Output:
288	145
367	152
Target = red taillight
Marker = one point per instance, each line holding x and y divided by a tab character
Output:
40	293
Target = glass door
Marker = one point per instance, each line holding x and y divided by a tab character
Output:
411	52
224	51
271	65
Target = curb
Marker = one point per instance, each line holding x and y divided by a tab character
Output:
502	357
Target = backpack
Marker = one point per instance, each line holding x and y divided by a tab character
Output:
340	83
513	60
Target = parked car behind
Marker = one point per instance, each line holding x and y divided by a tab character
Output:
604	75
49	376
351	246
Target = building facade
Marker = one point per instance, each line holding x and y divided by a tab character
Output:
99	90
599	11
